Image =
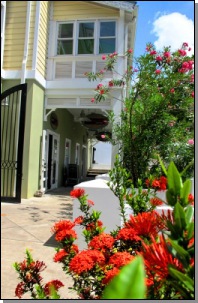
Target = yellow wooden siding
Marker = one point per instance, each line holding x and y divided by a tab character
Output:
14	34
43	38
72	10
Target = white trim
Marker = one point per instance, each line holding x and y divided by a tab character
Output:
36	34
27	33
3	18
125	5
30	74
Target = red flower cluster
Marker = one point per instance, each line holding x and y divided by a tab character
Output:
66	234
20	290
54	284
86	260
63	230
63	224
157	184
120	259
191	199
146	224
102	242
77	193
60	255
156	202
157	258
128	234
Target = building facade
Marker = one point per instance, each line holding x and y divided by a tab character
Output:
50	45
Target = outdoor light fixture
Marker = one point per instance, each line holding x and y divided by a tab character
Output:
95	121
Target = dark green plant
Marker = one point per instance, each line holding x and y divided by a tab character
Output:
158	110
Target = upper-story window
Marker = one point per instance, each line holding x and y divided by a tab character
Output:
86	37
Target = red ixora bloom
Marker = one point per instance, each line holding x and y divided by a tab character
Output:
20	290
65	234
60	255
56	284
157	258
110	274
102	242
120	259
191	199
146	224
159	184
77	193
128	234
63	224
86	260
155	202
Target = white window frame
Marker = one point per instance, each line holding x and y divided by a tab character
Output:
96	35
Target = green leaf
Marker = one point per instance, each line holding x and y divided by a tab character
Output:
185	191
171	198
129	283
187	281
174	179
29	257
173	229
182	253
179	216
189	213
190	230
162	166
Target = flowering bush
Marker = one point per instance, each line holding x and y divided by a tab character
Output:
153	253
158	111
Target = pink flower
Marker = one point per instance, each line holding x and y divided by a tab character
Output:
192	94
135	70
189	49
182	52
153	52
103	136
104	57
92	100
172	90
167	54
191	141
158	58
185	44
158	71
129	51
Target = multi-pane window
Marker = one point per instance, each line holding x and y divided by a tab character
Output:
65	39
107	37
86	37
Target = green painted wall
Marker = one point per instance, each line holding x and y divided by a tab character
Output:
67	128
33	135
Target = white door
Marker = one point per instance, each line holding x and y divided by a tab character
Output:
50	160
54	162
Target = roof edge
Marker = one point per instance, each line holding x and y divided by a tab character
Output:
124	5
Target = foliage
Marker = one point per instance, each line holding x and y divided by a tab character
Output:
158	111
149	256
29	274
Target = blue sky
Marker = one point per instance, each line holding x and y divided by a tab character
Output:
164	23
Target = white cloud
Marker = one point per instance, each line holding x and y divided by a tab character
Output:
172	30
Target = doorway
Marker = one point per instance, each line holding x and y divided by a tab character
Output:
50	160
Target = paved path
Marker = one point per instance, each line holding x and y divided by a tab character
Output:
28	226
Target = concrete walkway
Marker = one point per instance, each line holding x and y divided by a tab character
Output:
28	226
